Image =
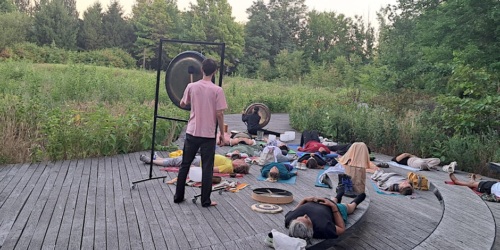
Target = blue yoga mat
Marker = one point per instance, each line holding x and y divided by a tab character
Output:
379	191
289	181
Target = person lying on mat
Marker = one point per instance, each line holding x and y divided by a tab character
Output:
310	143
417	162
239	138
313	161
320	218
487	187
392	182
277	171
253	123
222	164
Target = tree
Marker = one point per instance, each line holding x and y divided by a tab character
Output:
117	31
287	17
257	37
219	26
55	25
154	20
14	28
92	33
6	6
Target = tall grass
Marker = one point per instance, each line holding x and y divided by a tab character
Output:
53	112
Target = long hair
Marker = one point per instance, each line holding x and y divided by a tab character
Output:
312	163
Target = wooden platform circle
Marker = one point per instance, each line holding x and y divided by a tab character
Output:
272	195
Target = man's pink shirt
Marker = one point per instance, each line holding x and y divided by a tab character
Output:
206	99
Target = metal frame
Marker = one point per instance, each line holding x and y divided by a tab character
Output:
158	76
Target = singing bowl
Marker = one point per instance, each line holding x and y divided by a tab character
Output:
264	113
272	195
182	70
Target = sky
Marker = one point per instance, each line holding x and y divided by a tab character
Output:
365	8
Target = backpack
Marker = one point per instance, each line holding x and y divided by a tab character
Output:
418	181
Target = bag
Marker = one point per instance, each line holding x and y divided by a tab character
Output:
266	157
418	181
358	178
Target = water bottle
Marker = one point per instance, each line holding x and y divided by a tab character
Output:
154	156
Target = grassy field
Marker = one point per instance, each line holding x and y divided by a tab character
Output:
54	112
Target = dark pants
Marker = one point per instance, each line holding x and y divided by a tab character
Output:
207	150
307	136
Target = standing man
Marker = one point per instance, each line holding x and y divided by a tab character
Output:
208	103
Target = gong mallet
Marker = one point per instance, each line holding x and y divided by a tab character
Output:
191	71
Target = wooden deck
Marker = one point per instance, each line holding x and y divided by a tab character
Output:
88	203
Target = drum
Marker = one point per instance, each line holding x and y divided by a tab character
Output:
272	195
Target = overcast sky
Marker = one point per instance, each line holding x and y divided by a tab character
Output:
364	8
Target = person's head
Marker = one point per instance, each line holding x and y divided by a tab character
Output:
284	149
240	166
235	156
312	163
209	66
301	227
405	188
256	110
273	175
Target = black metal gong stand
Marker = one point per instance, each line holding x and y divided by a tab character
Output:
156	116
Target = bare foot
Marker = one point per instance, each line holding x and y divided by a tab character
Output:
213	204
453	178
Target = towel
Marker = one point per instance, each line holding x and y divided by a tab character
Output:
282	241
379	191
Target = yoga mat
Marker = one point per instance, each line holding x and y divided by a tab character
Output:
299	154
379	191
289	181
176	169
318	181
395	164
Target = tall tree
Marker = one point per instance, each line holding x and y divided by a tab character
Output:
287	17
92	33
118	32
14	28
54	24
257	36
219	26
154	20
6	6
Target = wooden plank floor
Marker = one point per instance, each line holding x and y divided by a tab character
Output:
88	203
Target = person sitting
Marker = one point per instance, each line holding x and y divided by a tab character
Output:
310	143
277	171
392	182
222	164
253	122
417	162
320	218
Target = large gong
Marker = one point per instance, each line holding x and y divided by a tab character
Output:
264	113
185	68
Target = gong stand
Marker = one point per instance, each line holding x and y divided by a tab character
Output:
191	70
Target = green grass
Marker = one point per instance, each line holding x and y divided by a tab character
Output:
55	112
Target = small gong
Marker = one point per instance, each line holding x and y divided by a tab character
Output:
264	113
267	208
185	68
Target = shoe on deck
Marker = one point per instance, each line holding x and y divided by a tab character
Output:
145	159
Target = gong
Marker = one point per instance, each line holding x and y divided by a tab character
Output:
272	195
264	113
267	208
185	68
